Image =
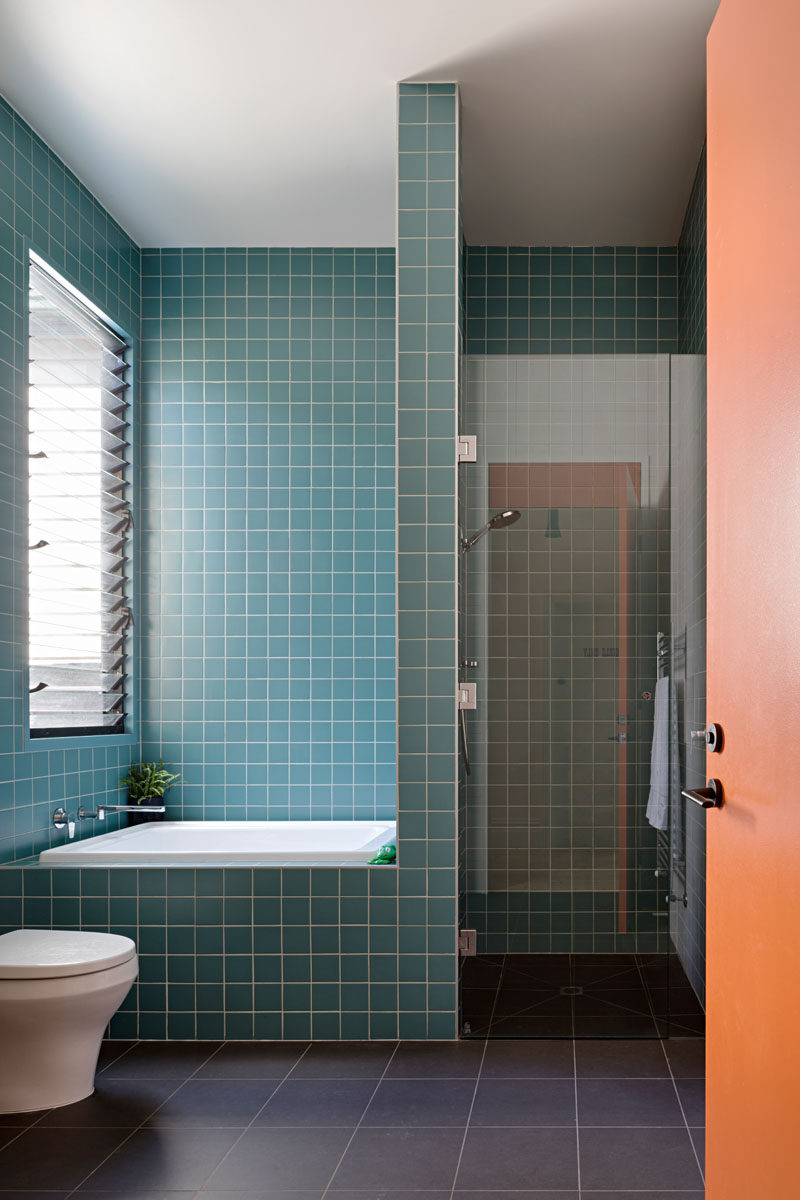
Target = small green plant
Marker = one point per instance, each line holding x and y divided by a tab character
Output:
147	781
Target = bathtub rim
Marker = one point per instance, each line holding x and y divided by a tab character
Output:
77	854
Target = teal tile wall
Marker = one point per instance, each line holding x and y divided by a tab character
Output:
692	268
571	300
43	204
428	355
246	953
268	530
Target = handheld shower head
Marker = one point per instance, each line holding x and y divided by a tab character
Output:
499	521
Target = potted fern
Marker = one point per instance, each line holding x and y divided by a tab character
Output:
147	783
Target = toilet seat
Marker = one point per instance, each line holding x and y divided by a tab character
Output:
57	953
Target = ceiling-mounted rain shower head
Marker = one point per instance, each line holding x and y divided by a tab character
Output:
499	521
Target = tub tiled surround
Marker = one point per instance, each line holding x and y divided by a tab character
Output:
268	531
263	953
43	206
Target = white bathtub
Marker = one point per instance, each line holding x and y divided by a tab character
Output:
255	842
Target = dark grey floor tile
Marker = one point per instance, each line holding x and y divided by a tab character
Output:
628	1159
421	1102
344	1060
510	1102
687	1057
477	1001
612	1002
41	1159
215	1103
121	1103
260	1194
21	1120
9	1132
480	972
534	1002
618	1025
537	970
173	1159
620	1059
422	1158
531	1027
683	1026
659	1195
140	1194
161	1060
436	1060
253	1060
111	1051
518	1158
380	1193
517	1195
698	1136
11	1194
628	1102
318	1102
281	1159
600	971
692	1093
528	1060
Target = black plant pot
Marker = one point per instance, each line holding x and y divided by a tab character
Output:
143	816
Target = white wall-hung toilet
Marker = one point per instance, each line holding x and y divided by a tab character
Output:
58	991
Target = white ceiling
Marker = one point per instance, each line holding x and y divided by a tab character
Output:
271	122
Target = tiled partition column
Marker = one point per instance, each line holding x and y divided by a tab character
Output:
428	249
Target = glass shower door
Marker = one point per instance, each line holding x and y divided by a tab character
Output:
561	610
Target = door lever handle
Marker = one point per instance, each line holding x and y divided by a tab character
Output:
707	797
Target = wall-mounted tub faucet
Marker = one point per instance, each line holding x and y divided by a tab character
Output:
102	809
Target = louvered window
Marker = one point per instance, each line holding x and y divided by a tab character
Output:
79	515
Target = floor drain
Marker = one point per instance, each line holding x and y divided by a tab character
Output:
571	991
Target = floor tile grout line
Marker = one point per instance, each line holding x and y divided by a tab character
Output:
256	1115
577	1117
389	1062
471	1108
118	1057
143	1124
497	992
683	1113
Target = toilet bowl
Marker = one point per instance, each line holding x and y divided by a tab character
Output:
58	991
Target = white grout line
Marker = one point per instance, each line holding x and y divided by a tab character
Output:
683	1114
179	1084
577	1118
360	1120
143	1124
469	1114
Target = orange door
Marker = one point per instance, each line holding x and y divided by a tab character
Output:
754	600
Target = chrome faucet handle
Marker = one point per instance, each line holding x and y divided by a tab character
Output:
62	820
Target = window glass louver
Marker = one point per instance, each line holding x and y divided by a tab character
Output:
79	518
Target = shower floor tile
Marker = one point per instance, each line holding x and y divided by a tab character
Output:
577	996
473	1120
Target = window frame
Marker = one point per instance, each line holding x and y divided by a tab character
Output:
72	740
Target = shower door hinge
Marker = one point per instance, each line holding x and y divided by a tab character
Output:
467	695
467	943
467	447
